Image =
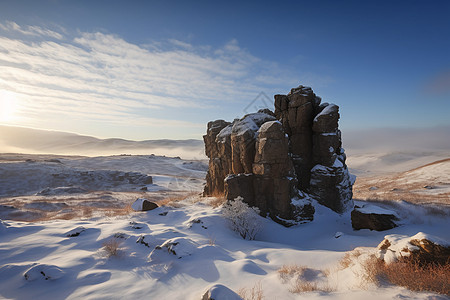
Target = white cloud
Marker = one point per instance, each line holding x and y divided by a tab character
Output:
30	30
104	77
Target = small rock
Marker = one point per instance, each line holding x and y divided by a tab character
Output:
75	232
338	234
142	204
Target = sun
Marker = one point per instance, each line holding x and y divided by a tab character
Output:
8	106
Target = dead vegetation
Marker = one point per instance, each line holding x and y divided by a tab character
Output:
254	293
410	274
112	247
349	258
303	279
175	198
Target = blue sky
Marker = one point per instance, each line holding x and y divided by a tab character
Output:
150	70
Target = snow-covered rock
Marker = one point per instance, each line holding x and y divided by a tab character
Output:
178	247
75	232
43	272
220	292
142	204
421	247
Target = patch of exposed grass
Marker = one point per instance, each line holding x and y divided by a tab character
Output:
254	293
409	274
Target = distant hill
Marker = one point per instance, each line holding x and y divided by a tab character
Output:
27	140
429	183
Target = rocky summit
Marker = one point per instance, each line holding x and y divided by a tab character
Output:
279	161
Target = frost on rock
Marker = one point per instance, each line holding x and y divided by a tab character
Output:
273	159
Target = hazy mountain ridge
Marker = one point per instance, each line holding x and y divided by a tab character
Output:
28	140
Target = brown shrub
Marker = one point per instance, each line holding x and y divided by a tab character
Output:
409	273
254	293
286	272
112	247
217	201
348	259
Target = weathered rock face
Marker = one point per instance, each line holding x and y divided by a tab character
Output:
277	161
218	149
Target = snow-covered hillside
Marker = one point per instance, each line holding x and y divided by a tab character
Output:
178	250
426	184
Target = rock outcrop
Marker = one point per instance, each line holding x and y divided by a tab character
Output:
373	217
421	248
279	161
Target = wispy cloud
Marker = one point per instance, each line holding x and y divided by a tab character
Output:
30	30
103	76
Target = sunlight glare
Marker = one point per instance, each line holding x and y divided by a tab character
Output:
8	106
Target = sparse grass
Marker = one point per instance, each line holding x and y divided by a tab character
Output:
174	200
254	293
211	241
116	211
301	286
112	247
287	272
348	259
297	276
410	274
217	201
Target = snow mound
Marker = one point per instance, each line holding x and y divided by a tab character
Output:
75	232
179	247
3	225
43	272
219	291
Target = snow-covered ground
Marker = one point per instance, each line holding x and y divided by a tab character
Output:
34	187
59	259
426	184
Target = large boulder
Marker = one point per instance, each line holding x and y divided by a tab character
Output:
373	217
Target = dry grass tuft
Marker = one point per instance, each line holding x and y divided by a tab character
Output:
287	272
410	274
348	259
217	201
301	286
112	247
116	211
211	241
173	201
254	293
299	281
